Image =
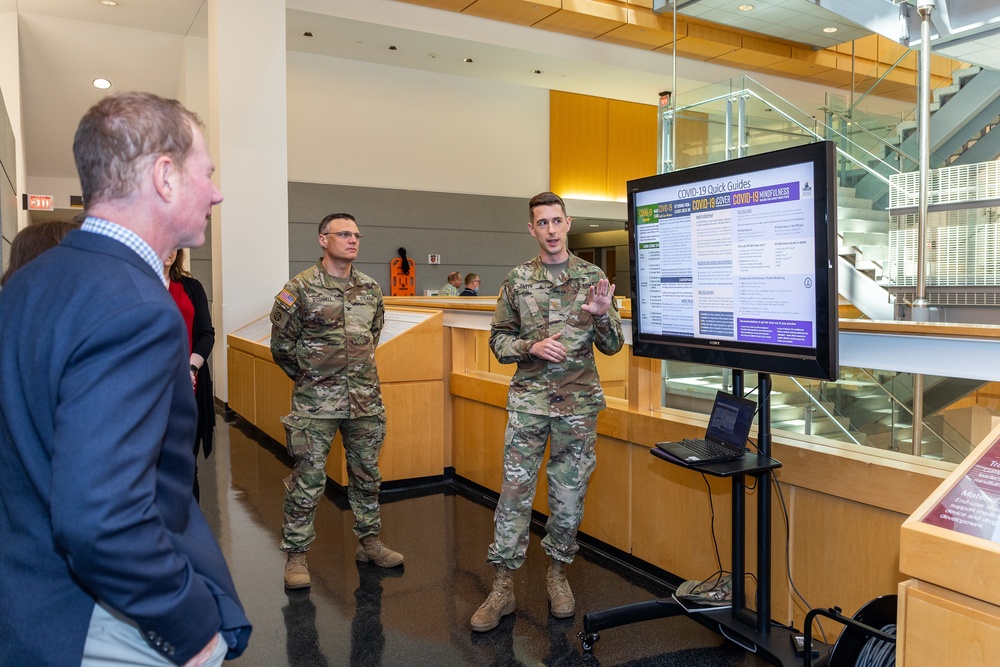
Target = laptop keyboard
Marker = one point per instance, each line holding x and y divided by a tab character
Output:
707	450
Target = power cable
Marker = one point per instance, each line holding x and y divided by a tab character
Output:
788	558
878	652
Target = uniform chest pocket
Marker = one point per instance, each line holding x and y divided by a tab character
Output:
533	307
322	312
360	315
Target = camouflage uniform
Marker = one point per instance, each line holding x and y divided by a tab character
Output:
546	400
448	290
324	338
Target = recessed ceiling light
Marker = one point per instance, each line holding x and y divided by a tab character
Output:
595	225
391	47
103	84
307	34
745	8
468	60
536	71
830	29
109	3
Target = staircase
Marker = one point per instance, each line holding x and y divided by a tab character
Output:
961	116
863	234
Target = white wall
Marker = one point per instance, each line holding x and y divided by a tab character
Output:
356	123
10	85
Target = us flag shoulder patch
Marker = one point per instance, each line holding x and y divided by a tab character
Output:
286	297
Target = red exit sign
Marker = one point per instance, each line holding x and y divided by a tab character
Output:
38	203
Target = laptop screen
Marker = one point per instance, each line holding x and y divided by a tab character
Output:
731	420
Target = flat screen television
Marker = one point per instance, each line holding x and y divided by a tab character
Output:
733	265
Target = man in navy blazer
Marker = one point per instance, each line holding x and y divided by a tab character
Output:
106	557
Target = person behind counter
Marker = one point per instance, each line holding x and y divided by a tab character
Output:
451	288
471	285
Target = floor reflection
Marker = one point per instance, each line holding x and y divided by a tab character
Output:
302	638
360	615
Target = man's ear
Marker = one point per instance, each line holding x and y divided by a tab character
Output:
164	173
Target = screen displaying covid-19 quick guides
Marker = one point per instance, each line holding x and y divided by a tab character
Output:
729	259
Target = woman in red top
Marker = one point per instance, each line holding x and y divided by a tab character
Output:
193	304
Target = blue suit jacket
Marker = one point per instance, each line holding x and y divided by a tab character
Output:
97	417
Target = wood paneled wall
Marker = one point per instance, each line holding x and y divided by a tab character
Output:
597	144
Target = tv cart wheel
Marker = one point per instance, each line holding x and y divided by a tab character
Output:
588	640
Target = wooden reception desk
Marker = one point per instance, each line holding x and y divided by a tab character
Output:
410	359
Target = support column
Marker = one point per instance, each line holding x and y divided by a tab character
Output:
249	142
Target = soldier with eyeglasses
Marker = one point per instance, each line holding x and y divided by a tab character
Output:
325	326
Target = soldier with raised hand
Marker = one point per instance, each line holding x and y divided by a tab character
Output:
326	324
551	313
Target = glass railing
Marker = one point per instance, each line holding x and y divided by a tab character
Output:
741	117
866	407
867	133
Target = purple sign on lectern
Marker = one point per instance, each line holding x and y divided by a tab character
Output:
972	506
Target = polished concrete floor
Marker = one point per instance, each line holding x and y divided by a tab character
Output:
360	615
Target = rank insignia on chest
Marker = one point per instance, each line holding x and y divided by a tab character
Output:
286	297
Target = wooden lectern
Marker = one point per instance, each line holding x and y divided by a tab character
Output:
949	612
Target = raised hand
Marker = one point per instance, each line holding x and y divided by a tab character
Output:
599	297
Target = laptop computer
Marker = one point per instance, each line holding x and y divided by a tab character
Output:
725	438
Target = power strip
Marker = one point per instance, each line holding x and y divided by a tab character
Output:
799	644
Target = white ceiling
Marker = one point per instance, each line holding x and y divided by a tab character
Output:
65	44
795	20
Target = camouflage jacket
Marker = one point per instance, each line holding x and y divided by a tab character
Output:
448	290
532	307
325	339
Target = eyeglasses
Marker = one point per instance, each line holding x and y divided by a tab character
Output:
345	235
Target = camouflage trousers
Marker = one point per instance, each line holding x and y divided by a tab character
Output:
571	462
309	442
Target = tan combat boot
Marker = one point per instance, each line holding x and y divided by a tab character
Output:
372	549
296	571
499	603
561	602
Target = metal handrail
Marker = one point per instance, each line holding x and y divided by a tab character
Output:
878	81
826	412
902	405
855	124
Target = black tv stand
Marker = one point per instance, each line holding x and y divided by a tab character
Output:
751	630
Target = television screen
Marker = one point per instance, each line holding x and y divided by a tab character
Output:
732	263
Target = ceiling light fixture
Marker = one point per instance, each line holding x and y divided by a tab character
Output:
536	71
830	29
745	8
102	83
391	47
109	3
307	34
467	60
